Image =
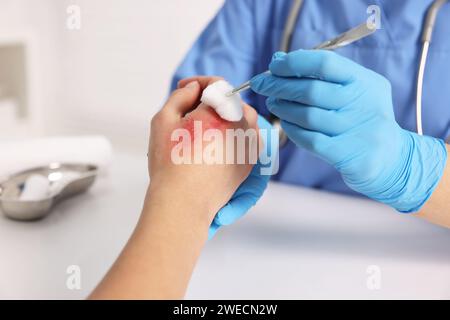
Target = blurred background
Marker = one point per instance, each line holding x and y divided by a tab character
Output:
109	77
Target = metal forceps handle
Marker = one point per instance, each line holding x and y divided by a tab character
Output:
363	30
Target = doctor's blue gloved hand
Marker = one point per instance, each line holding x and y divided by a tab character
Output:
343	113
254	186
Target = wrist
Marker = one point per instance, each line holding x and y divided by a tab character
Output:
173	201
421	165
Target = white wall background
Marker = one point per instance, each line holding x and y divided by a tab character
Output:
33	23
111	76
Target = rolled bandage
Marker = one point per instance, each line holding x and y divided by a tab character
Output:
228	108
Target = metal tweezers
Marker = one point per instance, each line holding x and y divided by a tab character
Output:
363	30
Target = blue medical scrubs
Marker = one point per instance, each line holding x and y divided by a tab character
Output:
239	42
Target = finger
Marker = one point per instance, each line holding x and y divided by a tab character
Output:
328	122
232	212
312	92
213	228
269	138
316	142
250	115
183	100
204	81
319	64
244	199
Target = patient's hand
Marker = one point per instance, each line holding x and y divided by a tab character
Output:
203	179
181	202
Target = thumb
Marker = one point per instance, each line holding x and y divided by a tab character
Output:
184	99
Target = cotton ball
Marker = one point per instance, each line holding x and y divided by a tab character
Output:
228	108
59	184
36	188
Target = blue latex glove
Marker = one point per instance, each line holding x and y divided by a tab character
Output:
343	113
253	187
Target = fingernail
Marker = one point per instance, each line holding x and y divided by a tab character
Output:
192	85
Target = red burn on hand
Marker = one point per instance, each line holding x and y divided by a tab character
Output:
208	118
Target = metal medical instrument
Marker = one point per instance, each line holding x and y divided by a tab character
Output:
65	180
363	30
427	32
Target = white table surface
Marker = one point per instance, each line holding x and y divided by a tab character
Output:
295	244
